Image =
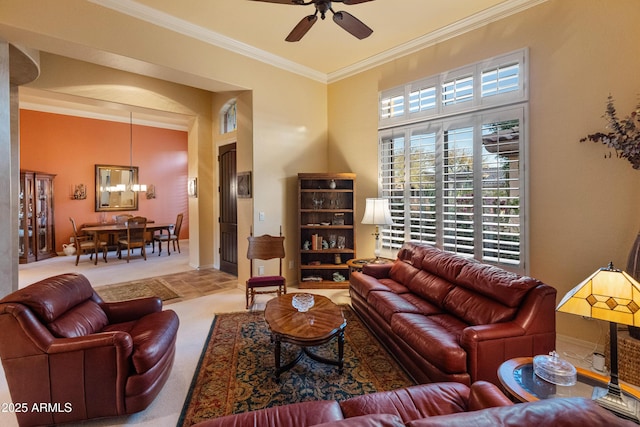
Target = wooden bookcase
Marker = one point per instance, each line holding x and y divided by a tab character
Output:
326	231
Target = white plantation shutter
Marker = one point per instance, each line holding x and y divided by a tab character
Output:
501	192
457	191
455	177
422	178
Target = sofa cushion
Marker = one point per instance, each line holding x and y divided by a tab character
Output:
411	403
54	296
434	337
394	286
476	309
430	287
84	319
152	337
388	303
403	272
362	284
443	264
495	283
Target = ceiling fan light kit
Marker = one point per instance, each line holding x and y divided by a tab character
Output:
345	20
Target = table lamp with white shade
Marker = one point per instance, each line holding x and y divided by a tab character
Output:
377	212
612	295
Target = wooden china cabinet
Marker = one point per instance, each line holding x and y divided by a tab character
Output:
36	237
326	231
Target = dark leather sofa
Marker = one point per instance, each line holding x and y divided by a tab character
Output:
434	405
73	356
449	318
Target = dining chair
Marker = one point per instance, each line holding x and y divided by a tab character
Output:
135	238
85	244
169	237
265	247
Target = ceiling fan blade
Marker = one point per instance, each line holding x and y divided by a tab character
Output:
301	29
352	24
349	2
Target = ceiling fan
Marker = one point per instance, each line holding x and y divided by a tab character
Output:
344	19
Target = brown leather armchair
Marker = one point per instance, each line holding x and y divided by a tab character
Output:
63	348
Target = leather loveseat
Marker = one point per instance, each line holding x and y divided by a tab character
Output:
69	356
433	405
449	318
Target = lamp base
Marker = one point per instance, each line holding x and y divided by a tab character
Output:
620	405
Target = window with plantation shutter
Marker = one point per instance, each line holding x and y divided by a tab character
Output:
456	180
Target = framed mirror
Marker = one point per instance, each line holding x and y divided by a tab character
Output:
113	188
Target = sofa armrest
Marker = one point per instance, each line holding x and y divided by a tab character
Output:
126	311
299	414
473	334
379	271
483	395
121	340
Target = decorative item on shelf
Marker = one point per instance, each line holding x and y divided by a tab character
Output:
337	277
338	219
377	212
79	192
332	184
337	259
612	295
151	191
623	135
555	370
341	242
316	242
306	245
318	201
302	302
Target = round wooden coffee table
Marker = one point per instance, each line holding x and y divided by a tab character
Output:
319	325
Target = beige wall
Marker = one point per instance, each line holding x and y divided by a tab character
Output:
284	133
582	208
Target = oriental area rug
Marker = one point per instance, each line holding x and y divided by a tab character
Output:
236	369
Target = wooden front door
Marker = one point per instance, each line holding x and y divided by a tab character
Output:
228	209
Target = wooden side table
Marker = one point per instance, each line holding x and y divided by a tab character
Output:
523	385
356	264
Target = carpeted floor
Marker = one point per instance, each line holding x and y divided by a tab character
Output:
171	287
236	370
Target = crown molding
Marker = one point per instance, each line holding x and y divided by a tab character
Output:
180	26
485	17
164	20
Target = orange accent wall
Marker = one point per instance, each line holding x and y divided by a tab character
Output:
70	147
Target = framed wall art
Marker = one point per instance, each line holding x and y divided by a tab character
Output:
244	185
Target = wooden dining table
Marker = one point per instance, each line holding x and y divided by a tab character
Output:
116	229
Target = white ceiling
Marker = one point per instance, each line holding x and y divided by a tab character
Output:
258	29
